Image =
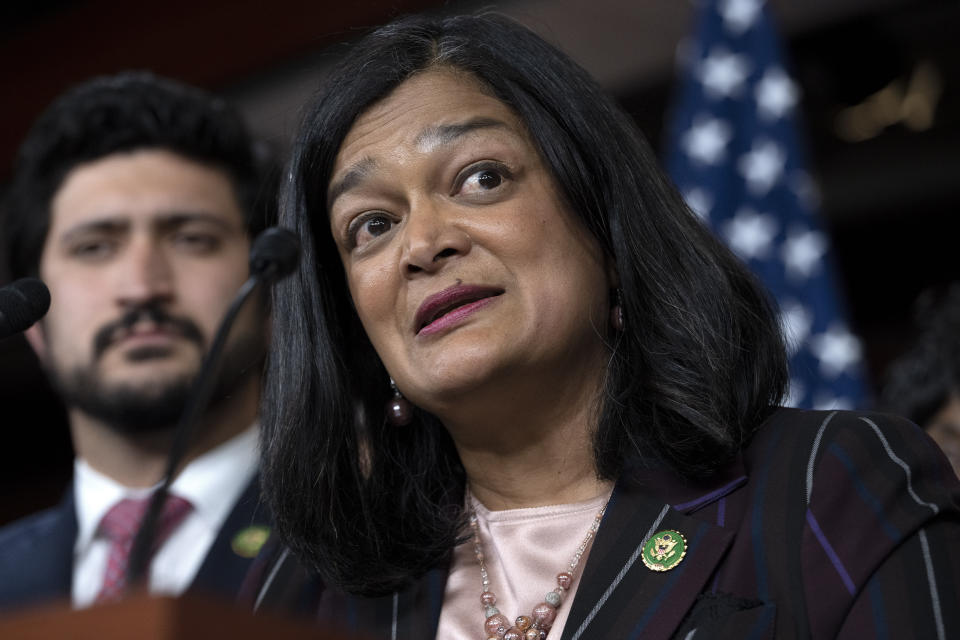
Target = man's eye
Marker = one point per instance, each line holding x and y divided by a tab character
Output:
197	241
92	250
369	227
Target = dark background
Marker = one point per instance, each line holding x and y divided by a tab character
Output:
890	189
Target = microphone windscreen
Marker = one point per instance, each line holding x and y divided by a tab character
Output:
275	253
21	304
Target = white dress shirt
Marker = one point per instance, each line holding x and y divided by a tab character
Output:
212	483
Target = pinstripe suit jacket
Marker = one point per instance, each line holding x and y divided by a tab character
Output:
828	525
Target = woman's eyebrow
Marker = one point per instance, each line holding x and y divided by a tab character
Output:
445	134
430	137
351	178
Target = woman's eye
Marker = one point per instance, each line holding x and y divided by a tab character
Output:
483	179
369	227
488	179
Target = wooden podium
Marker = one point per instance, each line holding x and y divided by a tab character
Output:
150	618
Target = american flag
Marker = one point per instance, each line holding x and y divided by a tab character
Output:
735	154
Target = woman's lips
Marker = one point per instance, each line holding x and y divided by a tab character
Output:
451	305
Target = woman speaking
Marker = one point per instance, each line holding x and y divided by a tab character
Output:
518	391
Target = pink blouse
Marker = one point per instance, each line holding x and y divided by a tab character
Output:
524	550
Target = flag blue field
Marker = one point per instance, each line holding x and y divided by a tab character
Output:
735	154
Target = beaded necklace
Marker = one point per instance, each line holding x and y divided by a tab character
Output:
537	625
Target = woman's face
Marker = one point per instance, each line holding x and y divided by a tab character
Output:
464	264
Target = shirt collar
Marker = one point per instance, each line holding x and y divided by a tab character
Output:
211	482
214	481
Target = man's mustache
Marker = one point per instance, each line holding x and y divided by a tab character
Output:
109	333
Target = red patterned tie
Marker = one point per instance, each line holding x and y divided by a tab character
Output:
120	525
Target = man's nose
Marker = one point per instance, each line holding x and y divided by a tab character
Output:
145	274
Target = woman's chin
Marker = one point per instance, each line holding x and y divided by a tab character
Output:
452	389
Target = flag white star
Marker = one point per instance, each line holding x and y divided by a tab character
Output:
796	321
776	94
699	201
723	73
837	349
750	234
706	140
802	251
762	166
739	15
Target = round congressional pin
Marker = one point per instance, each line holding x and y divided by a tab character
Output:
247	542
664	550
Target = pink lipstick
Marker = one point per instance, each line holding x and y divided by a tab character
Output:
446	308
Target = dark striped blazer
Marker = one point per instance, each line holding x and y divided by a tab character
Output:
828	525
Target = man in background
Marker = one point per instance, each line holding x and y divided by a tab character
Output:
923	384
135	199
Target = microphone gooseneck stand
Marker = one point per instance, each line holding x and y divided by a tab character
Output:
274	255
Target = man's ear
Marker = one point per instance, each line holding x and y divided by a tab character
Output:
37	340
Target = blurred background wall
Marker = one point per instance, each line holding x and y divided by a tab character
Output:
880	83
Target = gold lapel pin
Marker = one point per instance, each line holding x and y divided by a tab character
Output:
664	550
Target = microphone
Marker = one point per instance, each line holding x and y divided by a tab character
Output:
21	304
275	254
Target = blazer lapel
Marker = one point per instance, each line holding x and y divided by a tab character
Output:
618	596
63	535
419	607
410	614
36	561
236	545
58	565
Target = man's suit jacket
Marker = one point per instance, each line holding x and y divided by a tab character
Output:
828	525
36	553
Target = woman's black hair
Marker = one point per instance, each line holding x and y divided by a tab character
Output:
698	367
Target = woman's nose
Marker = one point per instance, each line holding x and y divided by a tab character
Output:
431	236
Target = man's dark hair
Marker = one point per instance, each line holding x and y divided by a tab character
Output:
125	112
919	383
695	372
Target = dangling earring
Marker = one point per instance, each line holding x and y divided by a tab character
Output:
616	311
399	409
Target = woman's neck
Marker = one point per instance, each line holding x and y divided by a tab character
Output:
532	451
521	490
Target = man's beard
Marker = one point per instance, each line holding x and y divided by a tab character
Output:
155	406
